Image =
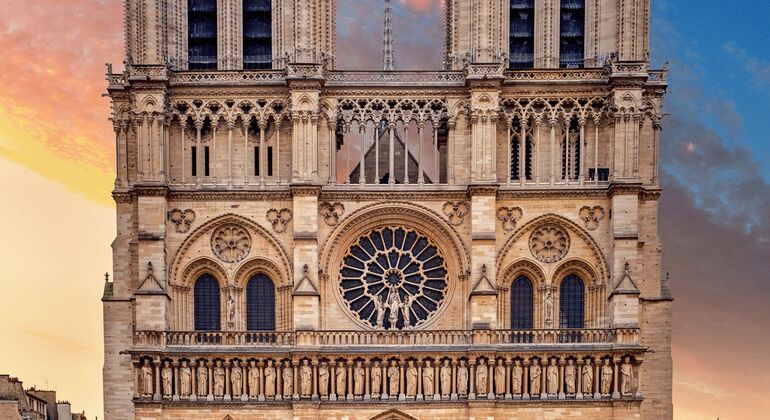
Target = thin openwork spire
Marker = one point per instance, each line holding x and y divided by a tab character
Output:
387	42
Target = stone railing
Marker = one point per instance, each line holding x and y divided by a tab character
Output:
275	77
342	339
400	78
556	75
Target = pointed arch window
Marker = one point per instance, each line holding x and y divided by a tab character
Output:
521	49
517	158
570	151
257	34
260	309
572	37
521	304
571	302
202	34
207	304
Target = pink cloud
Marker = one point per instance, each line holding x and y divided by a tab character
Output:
422	6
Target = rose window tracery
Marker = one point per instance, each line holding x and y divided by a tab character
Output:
231	243
393	278
549	243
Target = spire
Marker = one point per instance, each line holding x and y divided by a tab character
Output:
387	42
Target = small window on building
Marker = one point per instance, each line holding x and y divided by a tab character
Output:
194	159
202	34
257	34
572	39
269	160
206	161
256	160
522	34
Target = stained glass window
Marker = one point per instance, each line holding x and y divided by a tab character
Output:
521	304
572	39
260	298
571	302
257	34
522	34
202	34
207	304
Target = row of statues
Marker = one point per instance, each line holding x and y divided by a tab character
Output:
386	379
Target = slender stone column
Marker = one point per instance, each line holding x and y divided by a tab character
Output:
137	370
419	395
472	375
176	382
230	126
333	385
583	151
350	396
198	142
597	372
314	146
579	378
438	154
295	146
262	153
157	395
367	381
401	393
638	379
525	379
420	168
656	151
552	125
561	379
451	151
315	394
509	140
376	153
508	380
454	380
141	123
295	386
228	382
391	153
615	368
332	153
261	382
523	152
278	151
210	381
596	150
406	152
536	160
362	165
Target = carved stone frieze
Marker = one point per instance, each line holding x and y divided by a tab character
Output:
591	216
331	212
279	219
456	211
231	243
509	216
182	219
549	243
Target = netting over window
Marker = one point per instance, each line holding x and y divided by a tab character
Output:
571	302
207	304
521	304
393	278
260	297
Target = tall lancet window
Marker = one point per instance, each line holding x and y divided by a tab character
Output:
571	303
573	28
207	304
522	34
260	297
257	34
521	304
570	151
202	34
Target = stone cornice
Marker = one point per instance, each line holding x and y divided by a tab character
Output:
438	404
393	194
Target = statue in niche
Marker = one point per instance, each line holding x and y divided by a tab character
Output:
518	375
411	379
446	378
236	377
626	377
359	378
219	379
342	377
428	383
185	379
230	310
147	378
500	377
203	379
588	378
569	377
306	378
166	377
393	378
552	378
379	310
287	374
481	377
253	379
394	305
323	379
549	309
270	376
606	377
376	375
406	310
462	378
535	372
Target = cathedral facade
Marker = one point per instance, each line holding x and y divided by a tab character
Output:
300	241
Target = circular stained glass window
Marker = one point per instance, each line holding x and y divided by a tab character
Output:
393	278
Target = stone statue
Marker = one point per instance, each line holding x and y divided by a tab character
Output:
376	375
535	372
428	383
411	379
462	378
393	377
626	377
359	378
394	304
287	374
323	379
147	378
236	377
219	379
270	376
569	377
306	378
379	310
253	379
446	378
342	377
185	379
588	378
230	310
203	379
406	310
518	375
167	376
549	309
500	378
481	378
606	377
552	378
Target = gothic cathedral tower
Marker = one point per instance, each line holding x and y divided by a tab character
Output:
295	240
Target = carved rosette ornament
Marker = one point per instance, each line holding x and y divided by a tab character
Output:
592	216
182	219
279	219
456	212
231	243
331	212
549	243
509	216
393	278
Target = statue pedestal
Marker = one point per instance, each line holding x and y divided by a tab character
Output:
579	396
562	396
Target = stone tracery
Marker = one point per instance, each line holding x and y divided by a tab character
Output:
549	243
231	243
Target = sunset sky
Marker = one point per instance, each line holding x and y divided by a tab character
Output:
57	157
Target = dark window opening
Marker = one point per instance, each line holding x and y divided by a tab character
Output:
206	161
194	164
269	160
260	296
256	160
207	304
515	150
571	301
604	174
257	34
570	152
202	34
572	38
521	304
521	52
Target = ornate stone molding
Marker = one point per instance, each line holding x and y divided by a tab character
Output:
279	219
592	216
456	212
331	212
182	219
509	216
275	195
231	243
549	243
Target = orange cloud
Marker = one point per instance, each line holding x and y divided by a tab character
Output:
422	6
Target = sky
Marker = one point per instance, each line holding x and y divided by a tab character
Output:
57	158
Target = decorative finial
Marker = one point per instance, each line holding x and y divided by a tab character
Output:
387	42
106	277
626	268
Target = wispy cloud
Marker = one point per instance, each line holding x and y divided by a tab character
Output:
757	68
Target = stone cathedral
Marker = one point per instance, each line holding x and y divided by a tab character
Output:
295	240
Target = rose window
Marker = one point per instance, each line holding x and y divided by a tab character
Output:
549	243
393	278
231	243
